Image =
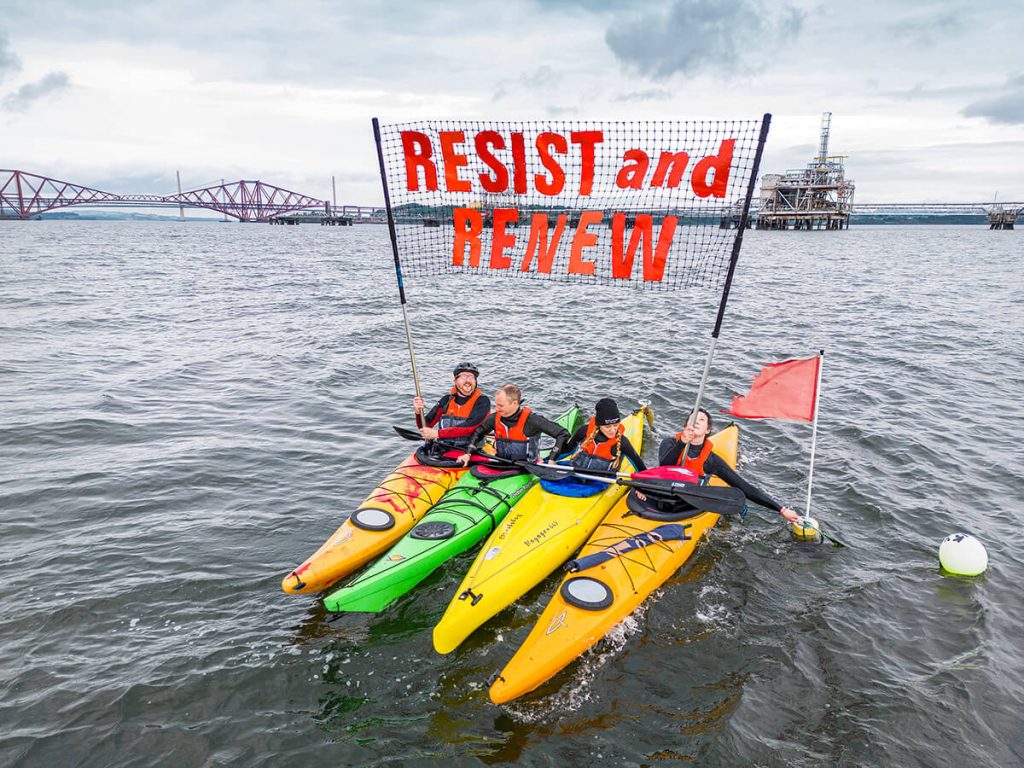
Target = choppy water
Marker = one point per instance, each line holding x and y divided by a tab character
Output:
189	410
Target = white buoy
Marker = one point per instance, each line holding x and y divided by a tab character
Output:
962	555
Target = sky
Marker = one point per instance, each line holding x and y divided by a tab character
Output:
927	97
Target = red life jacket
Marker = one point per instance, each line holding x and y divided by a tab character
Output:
695	464
512	442
594	455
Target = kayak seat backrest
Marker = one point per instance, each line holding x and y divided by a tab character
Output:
427	458
661	508
483	472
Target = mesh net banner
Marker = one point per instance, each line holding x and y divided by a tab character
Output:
638	204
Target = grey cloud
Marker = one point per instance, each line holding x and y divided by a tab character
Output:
651	94
324	43
596	6
1006	108
50	85
9	62
537	79
929	29
702	35
921	91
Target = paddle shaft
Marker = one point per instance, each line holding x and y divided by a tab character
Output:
814	432
737	244
398	266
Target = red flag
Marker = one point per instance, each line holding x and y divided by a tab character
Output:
783	390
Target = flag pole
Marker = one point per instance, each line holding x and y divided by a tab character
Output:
814	432
398	265
766	122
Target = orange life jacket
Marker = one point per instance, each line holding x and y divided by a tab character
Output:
456	415
695	464
512	442
594	455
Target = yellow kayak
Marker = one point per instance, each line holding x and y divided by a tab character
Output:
641	554
540	533
388	513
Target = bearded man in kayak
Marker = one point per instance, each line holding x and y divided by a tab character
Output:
601	443
517	429
452	420
700	459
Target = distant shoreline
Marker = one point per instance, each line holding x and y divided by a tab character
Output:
868	220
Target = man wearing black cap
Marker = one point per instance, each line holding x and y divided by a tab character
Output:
456	414
601	443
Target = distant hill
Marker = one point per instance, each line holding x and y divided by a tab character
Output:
116	216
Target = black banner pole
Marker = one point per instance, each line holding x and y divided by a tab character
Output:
766	122
398	264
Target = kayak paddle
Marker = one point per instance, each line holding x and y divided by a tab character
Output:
720	500
408	434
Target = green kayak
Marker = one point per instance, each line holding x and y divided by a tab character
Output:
468	513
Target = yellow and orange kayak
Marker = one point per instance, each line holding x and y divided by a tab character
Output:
641	554
541	533
388	513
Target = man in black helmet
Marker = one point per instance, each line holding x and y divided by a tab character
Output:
457	414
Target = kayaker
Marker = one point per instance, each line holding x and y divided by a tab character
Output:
452	420
517	429
701	460
601	443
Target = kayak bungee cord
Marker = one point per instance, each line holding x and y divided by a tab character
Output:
629	531
528	552
406	497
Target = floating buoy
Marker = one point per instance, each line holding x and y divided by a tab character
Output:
963	555
806	529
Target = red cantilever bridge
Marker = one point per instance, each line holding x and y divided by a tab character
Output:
25	195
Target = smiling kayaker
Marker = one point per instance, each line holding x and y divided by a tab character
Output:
452	420
700	459
517	429
600	443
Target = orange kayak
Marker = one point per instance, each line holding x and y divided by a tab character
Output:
388	513
641	556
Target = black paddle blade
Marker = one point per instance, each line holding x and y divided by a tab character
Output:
408	434
835	542
548	473
720	500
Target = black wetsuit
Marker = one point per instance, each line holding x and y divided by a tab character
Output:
535	424
627	447
671	449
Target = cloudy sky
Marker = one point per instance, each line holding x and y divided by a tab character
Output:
927	97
